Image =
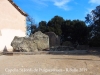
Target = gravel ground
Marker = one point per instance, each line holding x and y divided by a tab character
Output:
50	65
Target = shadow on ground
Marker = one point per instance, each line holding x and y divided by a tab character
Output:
75	59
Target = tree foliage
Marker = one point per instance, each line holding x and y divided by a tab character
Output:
43	26
54	25
75	31
93	19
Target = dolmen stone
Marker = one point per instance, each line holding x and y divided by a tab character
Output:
54	40
36	42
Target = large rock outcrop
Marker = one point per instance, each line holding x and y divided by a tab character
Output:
36	42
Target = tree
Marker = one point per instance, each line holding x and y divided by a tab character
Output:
93	19
80	32
43	26
54	25
31	26
75	31
66	30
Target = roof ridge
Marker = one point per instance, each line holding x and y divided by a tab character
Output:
23	13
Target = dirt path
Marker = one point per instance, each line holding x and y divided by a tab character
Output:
50	65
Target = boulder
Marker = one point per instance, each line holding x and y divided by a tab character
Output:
54	40
16	41
36	42
42	40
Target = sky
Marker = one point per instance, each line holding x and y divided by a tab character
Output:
45	10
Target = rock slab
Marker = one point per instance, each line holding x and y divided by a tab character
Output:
36	42
54	40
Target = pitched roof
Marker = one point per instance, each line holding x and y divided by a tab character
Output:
23	13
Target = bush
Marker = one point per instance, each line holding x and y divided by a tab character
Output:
67	43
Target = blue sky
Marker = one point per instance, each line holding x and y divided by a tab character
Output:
44	10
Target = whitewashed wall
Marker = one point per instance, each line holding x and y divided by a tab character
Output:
7	36
12	23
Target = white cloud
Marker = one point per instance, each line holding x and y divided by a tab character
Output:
59	3
40	2
94	1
